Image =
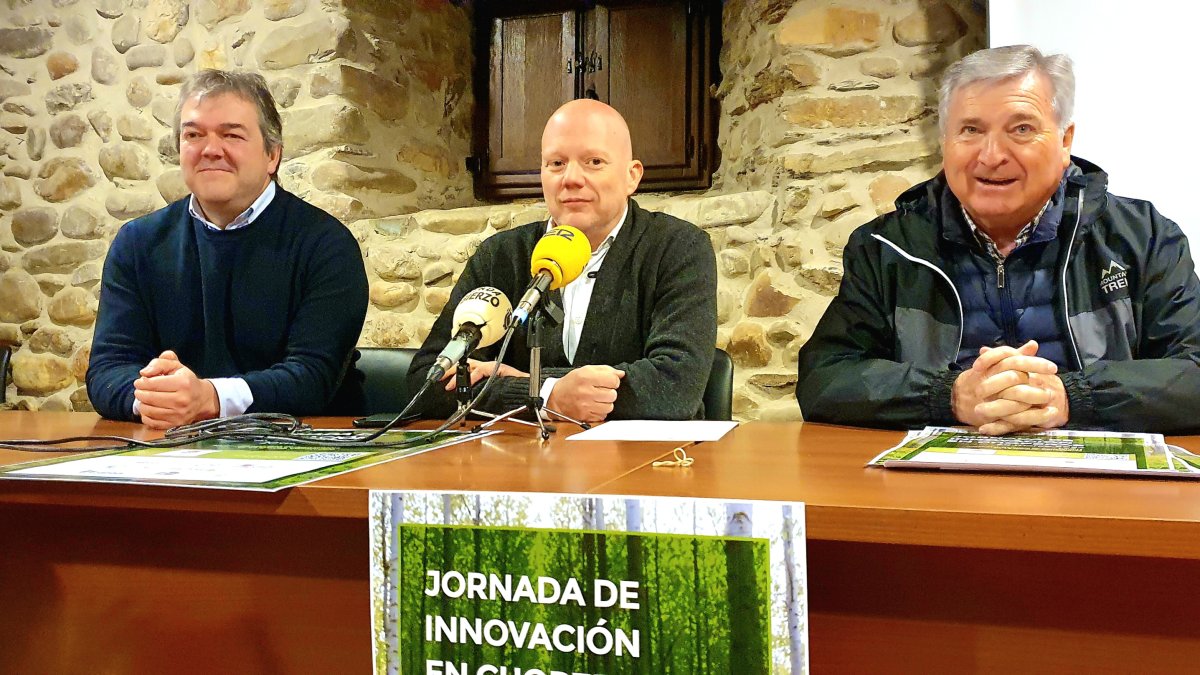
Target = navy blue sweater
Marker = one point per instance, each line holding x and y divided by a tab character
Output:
279	303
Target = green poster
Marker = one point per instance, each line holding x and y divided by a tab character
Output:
549	585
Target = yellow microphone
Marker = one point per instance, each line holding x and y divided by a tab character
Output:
558	258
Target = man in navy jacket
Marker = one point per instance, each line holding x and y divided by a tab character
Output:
238	298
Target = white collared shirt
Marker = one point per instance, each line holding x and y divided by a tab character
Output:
233	393
577	297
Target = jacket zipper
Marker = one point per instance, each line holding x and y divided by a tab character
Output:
1000	274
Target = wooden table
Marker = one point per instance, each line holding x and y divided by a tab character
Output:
908	572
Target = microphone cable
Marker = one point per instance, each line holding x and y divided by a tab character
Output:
276	428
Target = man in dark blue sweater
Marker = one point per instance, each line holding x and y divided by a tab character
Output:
239	298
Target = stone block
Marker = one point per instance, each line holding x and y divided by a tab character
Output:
439	274
127	205
79	222
163	110
277	10
35	142
104	66
284	90
326	125
774	386
171	185
111	9
14	123
183	52
360	182
80	401
771	294
837	203
469	220
316	41
12	88
20	298
370	91
727	305
145	56
10	336
80	28
748	345
73	307
836	31
797	72
885	189
211	12
436	299
61	64
10	193
733	263
101	123
932	23
165	18
61	178
79	362
87	275
61	257
67	131
24	43
51	283
52	339
387	296
18	170
388	329
883	67
394	262
34	225
138	92
40	374
884	154
170	77
125	160
126	32
784	332
133	127
853	111
66	96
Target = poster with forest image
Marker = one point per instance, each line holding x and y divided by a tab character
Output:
534	584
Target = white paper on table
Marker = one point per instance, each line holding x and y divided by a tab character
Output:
656	430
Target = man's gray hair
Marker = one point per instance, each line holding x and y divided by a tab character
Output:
1001	63
249	86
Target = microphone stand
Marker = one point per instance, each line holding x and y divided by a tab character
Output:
535	327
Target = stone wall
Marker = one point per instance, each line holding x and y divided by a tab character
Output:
376	122
827	113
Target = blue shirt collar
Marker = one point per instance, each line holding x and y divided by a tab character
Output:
244	218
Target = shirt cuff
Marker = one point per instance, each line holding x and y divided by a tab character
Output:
234	395
547	387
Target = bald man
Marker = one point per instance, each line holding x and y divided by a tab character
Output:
639	323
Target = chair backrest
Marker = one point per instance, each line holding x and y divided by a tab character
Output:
385	373
5	359
718	392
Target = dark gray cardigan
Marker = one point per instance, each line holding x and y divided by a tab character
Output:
653	314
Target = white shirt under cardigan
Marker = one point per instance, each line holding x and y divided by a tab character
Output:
233	393
577	295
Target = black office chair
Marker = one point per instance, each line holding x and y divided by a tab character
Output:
385	372
5	361
718	391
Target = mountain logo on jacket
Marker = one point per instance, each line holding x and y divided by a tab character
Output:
1113	277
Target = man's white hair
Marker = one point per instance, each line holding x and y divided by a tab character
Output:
1002	63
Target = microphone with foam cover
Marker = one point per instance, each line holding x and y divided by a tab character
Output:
479	321
558	258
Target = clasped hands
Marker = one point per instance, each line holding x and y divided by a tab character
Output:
1010	389
586	393
170	394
